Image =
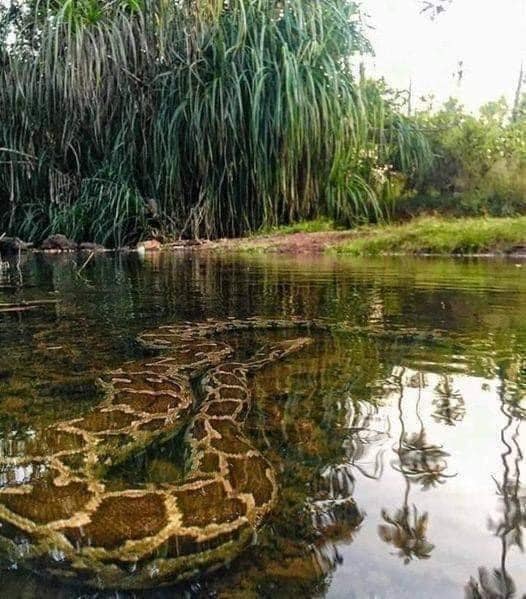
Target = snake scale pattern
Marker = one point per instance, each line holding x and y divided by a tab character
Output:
59	514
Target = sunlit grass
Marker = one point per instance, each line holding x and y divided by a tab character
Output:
433	235
319	225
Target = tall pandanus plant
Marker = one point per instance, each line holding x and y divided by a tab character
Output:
192	118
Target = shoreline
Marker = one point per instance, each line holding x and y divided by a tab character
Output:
424	236
421	237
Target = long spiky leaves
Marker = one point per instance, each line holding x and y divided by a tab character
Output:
189	118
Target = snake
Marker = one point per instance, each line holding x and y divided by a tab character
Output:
60	515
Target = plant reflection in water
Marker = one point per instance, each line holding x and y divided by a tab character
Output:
327	422
497	583
450	407
419	462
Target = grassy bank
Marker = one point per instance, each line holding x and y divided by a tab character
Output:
424	235
433	235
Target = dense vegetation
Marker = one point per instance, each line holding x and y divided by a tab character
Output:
438	235
119	120
124	119
479	165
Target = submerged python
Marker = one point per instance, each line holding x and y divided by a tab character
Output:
58	514
61	516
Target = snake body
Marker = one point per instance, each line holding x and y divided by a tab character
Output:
60	515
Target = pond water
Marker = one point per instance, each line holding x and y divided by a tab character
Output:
426	436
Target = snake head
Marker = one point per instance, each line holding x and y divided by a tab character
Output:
278	351
284	348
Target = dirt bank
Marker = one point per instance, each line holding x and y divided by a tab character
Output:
293	243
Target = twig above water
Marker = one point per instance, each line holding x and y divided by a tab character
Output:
17	308
26	306
86	262
31	303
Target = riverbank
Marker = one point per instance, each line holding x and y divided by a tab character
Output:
429	235
420	236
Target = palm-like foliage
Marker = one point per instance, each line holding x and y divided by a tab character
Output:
421	461
449	404
223	116
406	530
493	584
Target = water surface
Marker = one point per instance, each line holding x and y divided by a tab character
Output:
425	436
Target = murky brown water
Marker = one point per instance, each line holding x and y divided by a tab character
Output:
427	437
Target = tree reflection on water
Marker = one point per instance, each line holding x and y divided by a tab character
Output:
497	583
449	403
419	462
325	420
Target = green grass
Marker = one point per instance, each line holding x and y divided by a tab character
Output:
319	225
432	235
